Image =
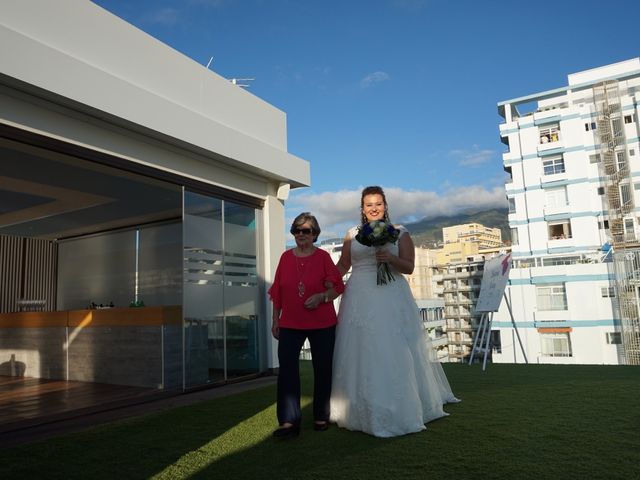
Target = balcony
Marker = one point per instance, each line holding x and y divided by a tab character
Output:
553	177
462	341
548	115
440	322
440	341
560	243
460	328
550	316
550	147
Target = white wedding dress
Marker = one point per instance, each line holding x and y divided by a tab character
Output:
386	379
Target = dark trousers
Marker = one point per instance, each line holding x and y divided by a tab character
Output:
290	343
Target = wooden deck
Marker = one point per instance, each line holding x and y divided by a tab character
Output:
25	402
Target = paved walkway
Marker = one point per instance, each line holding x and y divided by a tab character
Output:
33	431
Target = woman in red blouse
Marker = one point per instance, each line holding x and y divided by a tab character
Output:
303	290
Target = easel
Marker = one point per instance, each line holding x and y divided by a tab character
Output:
482	342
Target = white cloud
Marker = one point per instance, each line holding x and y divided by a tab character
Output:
373	78
337	211
474	157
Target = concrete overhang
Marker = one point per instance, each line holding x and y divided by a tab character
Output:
83	58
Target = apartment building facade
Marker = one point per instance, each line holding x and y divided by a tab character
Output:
572	159
467	240
458	284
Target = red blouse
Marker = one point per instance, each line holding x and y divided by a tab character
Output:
312	271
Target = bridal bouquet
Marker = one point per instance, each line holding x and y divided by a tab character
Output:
377	234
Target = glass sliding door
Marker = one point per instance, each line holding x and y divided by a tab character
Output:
221	290
241	293
203	304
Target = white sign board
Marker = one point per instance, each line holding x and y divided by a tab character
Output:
494	281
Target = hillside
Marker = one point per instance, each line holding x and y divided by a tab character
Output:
428	232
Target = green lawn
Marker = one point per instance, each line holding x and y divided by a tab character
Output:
515	421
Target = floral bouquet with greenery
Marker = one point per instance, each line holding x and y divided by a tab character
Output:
377	234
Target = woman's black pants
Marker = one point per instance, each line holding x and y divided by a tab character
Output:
290	343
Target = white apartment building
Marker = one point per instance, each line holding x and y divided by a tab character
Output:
574	182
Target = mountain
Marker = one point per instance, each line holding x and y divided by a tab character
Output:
428	232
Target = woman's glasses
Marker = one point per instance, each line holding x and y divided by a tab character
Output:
304	231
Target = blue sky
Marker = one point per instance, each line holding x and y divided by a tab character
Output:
398	93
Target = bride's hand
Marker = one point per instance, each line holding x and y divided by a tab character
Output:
313	301
383	255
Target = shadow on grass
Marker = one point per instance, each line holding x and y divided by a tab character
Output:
135	448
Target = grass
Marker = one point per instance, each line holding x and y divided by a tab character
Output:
515	421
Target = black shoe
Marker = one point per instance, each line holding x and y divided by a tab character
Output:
287	432
321	427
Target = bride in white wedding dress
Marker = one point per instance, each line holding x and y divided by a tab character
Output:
386	379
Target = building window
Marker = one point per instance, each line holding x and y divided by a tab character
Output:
556	197
614	338
551	297
550	134
622	160
603	225
512	205
595	158
616	126
553	166
590	126
625	194
629	227
555	344
514	236
632	152
600	190
629	118
559	230
550	261
496	342
608	292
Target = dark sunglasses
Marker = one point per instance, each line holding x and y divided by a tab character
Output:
304	231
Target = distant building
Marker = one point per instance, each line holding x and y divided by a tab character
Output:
573	164
459	286
458	276
465	241
485	237
421	280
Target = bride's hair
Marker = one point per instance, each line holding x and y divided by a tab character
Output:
374	190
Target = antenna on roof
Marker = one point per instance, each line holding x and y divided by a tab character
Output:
238	81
